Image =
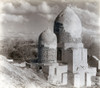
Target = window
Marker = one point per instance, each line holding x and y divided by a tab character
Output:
59	54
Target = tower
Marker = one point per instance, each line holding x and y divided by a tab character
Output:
63	57
47	57
47	47
68	30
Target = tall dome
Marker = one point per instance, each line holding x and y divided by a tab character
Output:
47	48
68	26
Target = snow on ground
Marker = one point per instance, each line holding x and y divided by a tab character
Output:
12	76
15	76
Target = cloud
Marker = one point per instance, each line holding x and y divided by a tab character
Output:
27	7
49	17
23	7
63	0
87	18
91	6
14	18
47	11
44	7
8	7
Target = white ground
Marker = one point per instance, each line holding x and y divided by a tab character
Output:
14	76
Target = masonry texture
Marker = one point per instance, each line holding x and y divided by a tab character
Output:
62	55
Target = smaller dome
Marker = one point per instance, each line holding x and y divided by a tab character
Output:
48	39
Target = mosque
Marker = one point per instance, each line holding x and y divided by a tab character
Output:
61	53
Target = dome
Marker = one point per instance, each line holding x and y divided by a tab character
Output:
48	39
69	22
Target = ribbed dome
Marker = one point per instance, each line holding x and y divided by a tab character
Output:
70	22
48	39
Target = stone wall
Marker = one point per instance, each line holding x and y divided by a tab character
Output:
76	59
47	55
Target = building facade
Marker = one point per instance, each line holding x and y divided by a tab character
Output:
62	54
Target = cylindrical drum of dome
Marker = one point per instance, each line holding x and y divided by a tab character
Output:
47	47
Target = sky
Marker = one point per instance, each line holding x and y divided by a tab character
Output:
28	18
24	17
